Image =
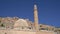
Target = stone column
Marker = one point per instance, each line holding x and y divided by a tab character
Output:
36	18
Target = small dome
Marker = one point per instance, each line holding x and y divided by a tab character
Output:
20	22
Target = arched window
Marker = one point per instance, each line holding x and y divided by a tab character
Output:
2	25
5	33
40	25
22	27
29	27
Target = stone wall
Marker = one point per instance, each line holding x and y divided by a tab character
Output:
23	32
45	32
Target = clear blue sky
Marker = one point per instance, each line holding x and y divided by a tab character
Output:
49	10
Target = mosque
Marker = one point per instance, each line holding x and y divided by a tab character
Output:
16	25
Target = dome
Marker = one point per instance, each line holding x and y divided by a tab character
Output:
21	22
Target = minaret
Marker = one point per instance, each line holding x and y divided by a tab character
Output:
36	17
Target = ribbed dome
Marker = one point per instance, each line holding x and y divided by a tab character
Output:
20	22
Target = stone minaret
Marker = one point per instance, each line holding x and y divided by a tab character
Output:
36	17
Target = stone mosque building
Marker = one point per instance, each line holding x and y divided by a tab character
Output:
16	25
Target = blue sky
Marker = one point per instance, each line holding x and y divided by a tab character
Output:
48	10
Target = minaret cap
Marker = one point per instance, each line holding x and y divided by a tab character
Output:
35	6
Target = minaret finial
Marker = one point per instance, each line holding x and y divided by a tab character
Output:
34	1
35	6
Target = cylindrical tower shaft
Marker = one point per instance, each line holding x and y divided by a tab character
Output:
36	17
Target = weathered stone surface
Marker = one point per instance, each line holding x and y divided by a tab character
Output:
24	32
